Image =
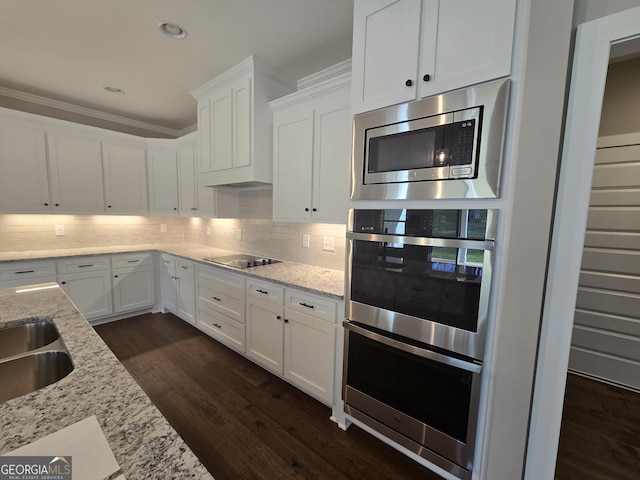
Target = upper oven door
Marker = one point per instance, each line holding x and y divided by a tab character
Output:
433	289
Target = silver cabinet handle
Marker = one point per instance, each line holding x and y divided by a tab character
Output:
262	291
25	271
306	305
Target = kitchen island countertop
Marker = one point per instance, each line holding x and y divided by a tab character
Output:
318	280
144	444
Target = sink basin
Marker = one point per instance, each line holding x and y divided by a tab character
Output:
32	372
26	337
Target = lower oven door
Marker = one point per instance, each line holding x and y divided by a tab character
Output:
424	400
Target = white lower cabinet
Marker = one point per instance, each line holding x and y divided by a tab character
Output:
265	333
132	281
28	272
87	282
293	334
168	283
185	287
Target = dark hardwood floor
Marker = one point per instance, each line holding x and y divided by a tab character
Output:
242	422
600	433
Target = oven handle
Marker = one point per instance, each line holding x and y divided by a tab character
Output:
423	241
421	352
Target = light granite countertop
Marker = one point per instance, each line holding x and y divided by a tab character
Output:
144	444
318	280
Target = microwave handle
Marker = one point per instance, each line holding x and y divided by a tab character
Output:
414	350
423	241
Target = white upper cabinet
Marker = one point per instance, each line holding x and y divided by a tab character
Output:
163	178
125	179
234	124
409	49
24	184
312	153
75	168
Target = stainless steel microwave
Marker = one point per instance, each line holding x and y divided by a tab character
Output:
445	146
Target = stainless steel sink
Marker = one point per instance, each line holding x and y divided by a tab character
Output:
32	356
26	337
32	372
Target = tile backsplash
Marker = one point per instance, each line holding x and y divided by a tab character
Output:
253	232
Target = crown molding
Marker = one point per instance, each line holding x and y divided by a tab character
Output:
68	107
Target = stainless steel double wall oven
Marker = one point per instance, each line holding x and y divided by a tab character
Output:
419	280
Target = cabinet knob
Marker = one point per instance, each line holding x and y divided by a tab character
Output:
426	77
408	83
108	206
63	283
57	204
175	208
286	320
278	317
46	204
115	276
314	209
306	209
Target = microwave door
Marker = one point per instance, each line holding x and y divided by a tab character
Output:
406	151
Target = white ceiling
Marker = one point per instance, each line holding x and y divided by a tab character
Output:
68	50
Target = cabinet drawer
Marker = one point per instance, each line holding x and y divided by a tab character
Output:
26	270
311	305
221	298
221	328
131	260
220	278
83	264
265	291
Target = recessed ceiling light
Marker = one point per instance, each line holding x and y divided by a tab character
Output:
172	30
111	89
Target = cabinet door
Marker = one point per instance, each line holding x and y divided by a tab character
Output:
133	288
125	179
242	123
293	160
264	334
75	167
168	284
332	158
187	175
163	183
220	121
309	352
386	39
186	301
204	136
474	44
24	184
90	292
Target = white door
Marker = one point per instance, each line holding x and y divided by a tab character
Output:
474	44
125	179
264	334
242	123
186	300
386	39
332	158
133	288
24	184
221	121
293	160
90	292
75	168
187	175
309	352
163	183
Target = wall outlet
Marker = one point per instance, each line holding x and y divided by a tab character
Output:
163	228
305	240
329	244
208	230
239	234
59	229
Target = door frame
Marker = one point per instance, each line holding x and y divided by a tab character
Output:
591	59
